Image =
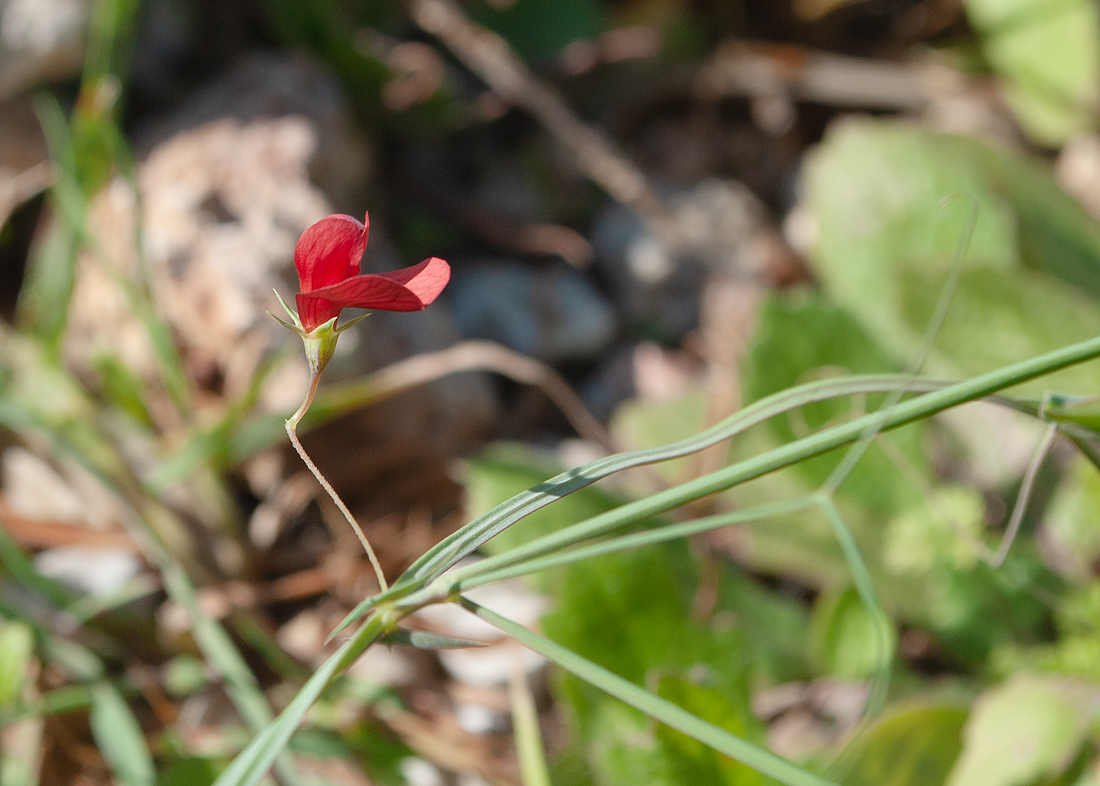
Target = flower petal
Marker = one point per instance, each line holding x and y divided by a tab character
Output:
314	311
408	289
425	280
329	251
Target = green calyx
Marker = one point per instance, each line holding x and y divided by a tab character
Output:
320	343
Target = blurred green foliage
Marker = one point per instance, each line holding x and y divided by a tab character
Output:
682	620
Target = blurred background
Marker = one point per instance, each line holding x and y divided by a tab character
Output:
656	212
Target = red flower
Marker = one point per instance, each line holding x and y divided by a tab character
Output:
327	257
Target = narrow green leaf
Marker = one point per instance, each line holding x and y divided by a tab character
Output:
483	572
883	634
254	761
905	412
119	738
48	285
16	651
469	538
525	729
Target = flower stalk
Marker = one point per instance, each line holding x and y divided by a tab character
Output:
327	258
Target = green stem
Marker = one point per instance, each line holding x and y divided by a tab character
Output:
786	455
634	540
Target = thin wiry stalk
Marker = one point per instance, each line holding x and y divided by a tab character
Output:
1041	452
292	432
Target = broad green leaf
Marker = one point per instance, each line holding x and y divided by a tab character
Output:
800	337
884	248
647	424
912	745
189	771
701	764
999	317
1027	728
1047	52
842	636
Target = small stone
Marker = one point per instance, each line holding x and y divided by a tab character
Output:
99	572
553	314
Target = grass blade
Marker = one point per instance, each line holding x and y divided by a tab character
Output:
257	758
838	436
119	738
473	535
525	728
475	578
469	538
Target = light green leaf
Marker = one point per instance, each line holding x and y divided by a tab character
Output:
1027	728
16	651
1047	52
648	424
119	738
943	530
842	636
884	248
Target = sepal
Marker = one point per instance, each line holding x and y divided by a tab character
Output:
351	322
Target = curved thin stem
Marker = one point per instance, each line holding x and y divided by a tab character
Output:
292	432
1041	452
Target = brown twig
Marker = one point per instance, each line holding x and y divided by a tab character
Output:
470	356
17	189
489	56
759	69
36	533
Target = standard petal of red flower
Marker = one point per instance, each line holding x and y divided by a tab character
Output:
408	289
329	251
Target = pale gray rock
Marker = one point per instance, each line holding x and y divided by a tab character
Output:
550	313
